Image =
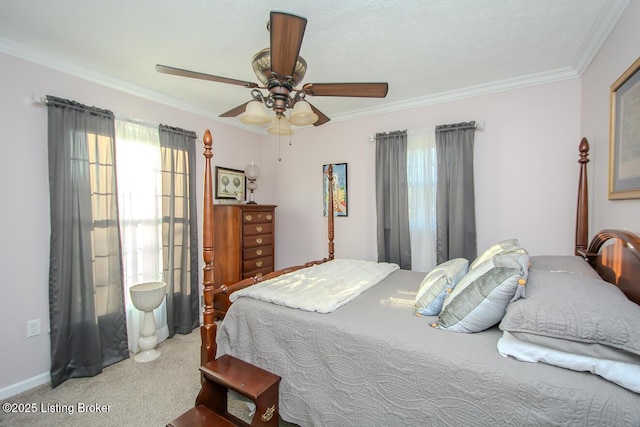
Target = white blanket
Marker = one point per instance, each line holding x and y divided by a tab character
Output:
322	288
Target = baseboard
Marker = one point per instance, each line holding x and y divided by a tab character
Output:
25	385
162	333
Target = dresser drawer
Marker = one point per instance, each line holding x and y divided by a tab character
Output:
257	252
257	217
257	240
254	273
259	228
257	264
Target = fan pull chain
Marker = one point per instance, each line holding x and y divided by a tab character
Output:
279	139
280	146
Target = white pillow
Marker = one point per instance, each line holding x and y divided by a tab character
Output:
437	284
624	374
480	299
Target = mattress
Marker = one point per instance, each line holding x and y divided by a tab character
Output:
372	362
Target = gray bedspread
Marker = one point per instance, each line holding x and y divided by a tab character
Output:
373	363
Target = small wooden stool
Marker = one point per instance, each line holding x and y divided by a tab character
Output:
201	416
229	373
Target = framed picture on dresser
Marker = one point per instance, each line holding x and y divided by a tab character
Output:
230	184
624	138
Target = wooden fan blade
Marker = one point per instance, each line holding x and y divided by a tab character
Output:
322	119
202	76
287	32
364	90
235	111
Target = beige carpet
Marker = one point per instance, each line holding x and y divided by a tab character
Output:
125	394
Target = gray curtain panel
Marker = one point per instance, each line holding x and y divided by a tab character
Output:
455	197
392	203
179	228
86	298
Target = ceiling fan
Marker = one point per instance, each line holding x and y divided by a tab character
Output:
280	69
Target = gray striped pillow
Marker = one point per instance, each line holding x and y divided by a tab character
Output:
480	299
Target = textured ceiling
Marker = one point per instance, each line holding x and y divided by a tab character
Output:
428	50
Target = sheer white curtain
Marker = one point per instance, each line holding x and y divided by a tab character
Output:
140	197
421	180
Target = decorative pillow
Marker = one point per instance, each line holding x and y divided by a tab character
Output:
481	297
437	284
505	245
563	264
576	308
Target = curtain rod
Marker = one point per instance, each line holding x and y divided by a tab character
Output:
479	126
122	117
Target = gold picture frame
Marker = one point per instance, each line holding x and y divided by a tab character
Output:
624	135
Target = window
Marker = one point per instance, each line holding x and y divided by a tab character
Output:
140	212
421	183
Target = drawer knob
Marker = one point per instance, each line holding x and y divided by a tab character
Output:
269	217
259	252
259	229
259	240
248	217
258	263
268	414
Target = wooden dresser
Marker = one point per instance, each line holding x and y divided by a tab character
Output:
244	237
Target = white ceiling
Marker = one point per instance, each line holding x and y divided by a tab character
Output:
428	50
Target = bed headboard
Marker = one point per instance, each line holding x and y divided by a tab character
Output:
615	255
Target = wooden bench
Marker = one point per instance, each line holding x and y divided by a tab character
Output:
229	373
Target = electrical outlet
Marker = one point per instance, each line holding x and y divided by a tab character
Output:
33	328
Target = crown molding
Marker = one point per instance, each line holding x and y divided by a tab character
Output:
56	63
468	92
53	62
611	13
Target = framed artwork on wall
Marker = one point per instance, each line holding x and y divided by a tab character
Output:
624	137
340	193
230	184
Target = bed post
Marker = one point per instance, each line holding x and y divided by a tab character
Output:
582	213
330	212
208	328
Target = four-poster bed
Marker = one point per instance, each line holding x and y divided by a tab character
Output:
372	362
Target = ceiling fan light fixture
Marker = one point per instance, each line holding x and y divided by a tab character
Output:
255	114
280	69
261	64
280	126
302	114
